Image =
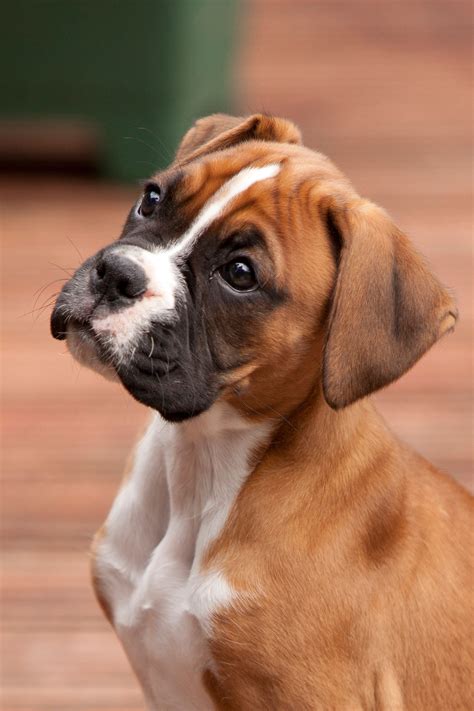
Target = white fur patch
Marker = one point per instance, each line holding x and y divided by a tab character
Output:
175	503
206	594
216	205
121	331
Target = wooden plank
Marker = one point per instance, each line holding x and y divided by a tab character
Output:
381	87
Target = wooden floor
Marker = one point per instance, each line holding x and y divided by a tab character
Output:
385	93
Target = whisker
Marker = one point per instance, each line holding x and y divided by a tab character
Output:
75	247
69	271
152	346
140	140
41	289
43	309
168	154
49	302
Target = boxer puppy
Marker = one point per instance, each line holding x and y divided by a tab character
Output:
274	546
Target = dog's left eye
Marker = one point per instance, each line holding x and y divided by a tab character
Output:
239	274
150	200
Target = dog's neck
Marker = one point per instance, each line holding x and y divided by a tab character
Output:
324	441
326	436
300	418
213	451
334	456
332	452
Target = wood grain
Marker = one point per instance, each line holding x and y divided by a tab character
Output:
381	87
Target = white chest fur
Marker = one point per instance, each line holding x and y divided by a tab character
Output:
184	481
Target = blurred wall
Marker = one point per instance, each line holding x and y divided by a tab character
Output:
111	83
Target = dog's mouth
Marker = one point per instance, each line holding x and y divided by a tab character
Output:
60	319
85	348
140	337
154	369
82	342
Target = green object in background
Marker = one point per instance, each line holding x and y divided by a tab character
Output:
140	72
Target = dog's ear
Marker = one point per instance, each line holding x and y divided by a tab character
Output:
219	131
387	308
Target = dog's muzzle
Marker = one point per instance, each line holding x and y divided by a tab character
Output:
120	316
111	283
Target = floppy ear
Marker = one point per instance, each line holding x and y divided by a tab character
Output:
387	307
219	131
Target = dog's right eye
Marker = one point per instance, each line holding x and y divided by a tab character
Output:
239	274
150	200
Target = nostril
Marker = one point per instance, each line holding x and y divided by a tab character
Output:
101	270
118	278
128	288
123	286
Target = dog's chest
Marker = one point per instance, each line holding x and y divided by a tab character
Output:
149	563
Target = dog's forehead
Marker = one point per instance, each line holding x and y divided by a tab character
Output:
206	195
241	177
192	187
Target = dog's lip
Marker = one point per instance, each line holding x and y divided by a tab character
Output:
61	320
67	312
85	348
58	323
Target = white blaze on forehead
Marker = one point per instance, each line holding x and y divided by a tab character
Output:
216	205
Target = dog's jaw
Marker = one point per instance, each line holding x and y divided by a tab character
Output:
83	347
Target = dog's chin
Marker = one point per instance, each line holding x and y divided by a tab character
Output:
83	348
175	395
177	390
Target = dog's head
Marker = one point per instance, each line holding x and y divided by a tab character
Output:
250	270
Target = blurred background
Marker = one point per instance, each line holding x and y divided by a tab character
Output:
94	96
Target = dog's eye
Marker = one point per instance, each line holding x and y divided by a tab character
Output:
150	200
239	274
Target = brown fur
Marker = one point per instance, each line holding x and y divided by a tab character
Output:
221	131
352	555
354	566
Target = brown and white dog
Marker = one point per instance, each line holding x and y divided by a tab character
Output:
274	546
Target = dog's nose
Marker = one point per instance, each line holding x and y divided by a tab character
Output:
118	278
